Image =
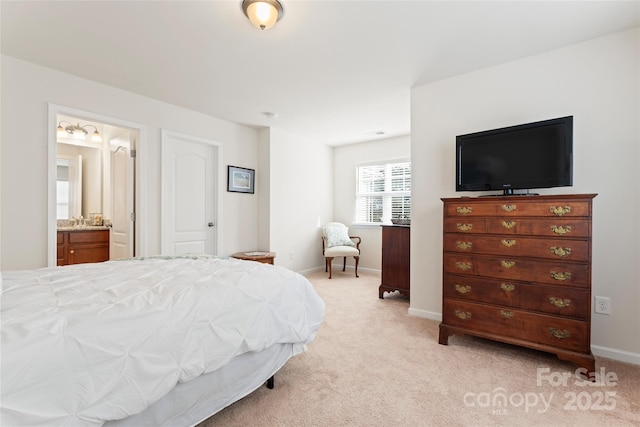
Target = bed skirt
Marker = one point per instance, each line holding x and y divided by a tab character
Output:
194	401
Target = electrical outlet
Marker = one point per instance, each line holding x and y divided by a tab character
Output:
290	254
603	305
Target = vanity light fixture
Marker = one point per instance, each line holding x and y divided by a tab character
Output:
77	131
263	14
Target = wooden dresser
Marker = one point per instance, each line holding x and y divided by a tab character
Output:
395	259
82	246
517	269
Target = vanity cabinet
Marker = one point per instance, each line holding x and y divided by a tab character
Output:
82	246
395	260
518	270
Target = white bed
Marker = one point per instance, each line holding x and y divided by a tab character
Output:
158	341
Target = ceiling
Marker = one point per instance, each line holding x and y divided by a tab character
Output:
333	71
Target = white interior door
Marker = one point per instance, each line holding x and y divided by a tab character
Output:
189	195
122	221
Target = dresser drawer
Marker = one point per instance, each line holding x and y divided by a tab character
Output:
518	207
479	317
478	289
556	300
561	300
554	331
465	225
530	270
559	249
557	227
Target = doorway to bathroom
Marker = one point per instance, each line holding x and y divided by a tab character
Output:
93	165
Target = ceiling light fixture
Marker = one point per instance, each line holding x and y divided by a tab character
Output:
263	14
77	131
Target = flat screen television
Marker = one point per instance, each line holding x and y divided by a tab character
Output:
521	157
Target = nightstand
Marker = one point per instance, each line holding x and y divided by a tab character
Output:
259	256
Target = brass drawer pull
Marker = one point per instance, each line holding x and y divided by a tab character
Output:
559	302
507	287
464	245
464	210
508	224
507	264
559	229
506	314
464	266
561	252
560	275
463	289
560	334
508	208
508	242
464	315
464	227
559	210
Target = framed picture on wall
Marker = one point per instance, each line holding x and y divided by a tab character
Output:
240	180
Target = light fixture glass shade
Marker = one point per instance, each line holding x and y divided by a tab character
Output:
79	133
96	136
263	14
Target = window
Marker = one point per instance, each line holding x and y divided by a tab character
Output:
383	192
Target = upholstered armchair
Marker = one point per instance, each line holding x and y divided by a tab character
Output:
336	242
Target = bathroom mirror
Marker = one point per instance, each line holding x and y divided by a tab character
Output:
79	182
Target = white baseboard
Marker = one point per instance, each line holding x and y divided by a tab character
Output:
431	315
616	354
321	268
310	270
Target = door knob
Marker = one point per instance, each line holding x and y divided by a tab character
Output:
211	224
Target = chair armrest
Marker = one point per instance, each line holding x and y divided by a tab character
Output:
358	242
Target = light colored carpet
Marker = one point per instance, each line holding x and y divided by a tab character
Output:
374	365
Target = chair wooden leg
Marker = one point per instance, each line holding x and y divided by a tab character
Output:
326	265
357	260
329	265
344	264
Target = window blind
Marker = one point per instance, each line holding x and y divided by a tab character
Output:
383	192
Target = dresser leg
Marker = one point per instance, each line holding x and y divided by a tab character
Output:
444	335
586	361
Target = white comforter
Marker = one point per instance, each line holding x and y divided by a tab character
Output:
88	343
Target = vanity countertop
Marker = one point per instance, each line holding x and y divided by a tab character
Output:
84	228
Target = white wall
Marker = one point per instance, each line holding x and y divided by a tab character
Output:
26	91
263	184
598	83
301	201
346	158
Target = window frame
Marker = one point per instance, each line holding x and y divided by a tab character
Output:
386	195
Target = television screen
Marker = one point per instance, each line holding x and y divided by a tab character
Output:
527	156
